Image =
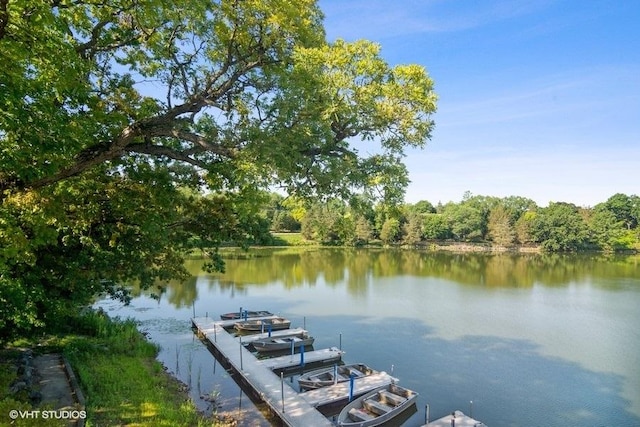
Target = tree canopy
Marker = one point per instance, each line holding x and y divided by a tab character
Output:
116	116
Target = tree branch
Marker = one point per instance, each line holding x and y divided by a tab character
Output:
161	150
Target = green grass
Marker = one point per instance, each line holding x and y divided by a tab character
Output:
291	239
122	381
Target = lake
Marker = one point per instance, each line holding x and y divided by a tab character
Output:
518	339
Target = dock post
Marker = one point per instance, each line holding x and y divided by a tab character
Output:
351	378
340	341
335	374
241	368
282	389
302	356
426	414
270	330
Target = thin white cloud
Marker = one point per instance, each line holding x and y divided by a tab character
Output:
379	19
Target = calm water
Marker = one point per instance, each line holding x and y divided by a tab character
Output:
532	340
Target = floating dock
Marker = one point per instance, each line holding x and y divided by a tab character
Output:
455	419
283	400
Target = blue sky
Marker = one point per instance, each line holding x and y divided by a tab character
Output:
539	99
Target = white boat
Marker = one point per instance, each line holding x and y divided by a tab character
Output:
335	374
282	343
457	419
263	325
377	407
245	313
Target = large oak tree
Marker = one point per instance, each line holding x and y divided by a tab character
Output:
115	115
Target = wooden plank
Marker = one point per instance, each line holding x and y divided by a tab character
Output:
337	392
284	401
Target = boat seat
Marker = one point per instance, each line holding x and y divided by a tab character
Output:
387	396
356	373
359	415
377	407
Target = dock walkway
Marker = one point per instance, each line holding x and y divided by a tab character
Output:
284	401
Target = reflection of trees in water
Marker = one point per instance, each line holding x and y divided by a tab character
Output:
357	267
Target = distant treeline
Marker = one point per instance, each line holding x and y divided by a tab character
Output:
506	222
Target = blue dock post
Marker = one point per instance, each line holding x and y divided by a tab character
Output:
335	374
269	330
351	378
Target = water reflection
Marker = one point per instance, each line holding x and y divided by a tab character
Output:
295	268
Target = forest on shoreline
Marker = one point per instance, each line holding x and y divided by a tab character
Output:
474	223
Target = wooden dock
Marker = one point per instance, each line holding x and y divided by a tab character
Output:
283	400
457	419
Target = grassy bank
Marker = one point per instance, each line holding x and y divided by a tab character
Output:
122	381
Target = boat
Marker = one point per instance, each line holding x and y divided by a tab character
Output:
457	418
245	313
335	374
255	325
377	407
282	343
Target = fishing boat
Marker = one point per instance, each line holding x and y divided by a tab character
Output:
377	407
245	313
282	343
255	325
335	374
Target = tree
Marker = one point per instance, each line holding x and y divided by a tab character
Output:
435	227
412	229
390	231
560	228
115	114
625	208
363	231
524	226
466	221
608	232
501	230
